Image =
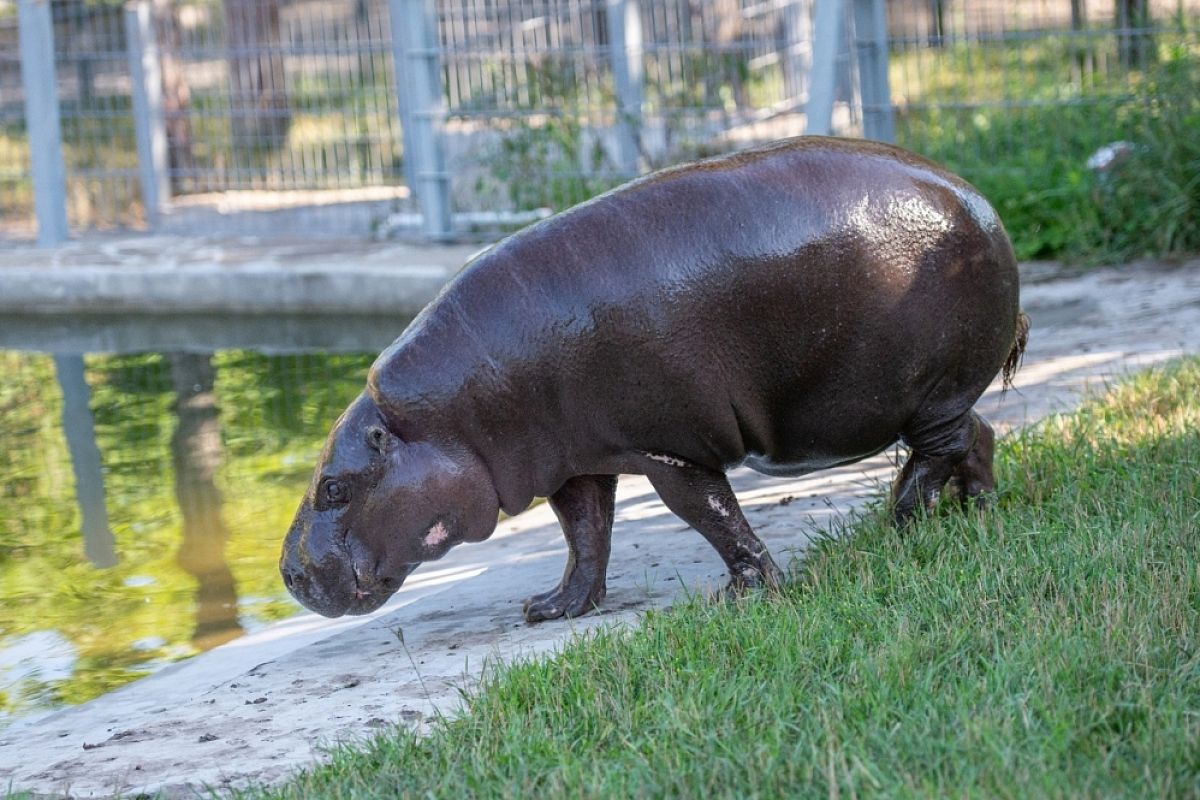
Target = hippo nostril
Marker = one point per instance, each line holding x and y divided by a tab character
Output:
388	583
292	578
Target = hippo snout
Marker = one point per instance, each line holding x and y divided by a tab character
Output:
330	595
336	580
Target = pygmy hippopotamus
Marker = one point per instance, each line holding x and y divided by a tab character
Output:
792	307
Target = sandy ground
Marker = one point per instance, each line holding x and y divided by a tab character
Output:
261	707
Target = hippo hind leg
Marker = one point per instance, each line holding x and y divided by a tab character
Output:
937	452
584	507
973	483
703	498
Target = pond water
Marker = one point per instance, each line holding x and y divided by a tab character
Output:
148	472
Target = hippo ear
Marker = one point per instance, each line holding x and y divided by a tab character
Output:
379	439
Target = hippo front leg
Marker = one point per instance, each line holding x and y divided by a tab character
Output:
584	507
703	498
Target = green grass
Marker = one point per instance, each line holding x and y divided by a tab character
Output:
1046	648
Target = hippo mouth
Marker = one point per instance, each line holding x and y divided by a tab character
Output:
370	595
366	602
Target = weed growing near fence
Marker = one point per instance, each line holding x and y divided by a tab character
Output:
1050	647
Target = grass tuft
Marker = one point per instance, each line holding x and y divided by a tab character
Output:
1047	647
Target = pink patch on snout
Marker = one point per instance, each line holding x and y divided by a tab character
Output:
437	534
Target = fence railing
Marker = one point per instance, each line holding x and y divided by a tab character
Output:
356	116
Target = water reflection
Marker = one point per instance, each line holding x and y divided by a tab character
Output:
180	471
80	433
196	454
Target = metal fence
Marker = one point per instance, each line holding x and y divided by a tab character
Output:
286	115
549	102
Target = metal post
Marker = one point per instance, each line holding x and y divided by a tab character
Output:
149	124
797	49
98	542
822	84
624	21
35	29
871	46
422	109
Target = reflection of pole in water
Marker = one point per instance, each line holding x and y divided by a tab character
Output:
196	454
98	544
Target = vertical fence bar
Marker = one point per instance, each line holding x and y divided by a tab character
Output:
827	34
624	22
422	109
871	47
149	124
35	29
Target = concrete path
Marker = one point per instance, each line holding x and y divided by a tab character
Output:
266	705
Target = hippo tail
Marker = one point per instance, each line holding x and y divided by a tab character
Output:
1015	356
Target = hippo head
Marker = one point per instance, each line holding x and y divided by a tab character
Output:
377	507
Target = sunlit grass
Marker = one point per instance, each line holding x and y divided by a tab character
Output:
1047	648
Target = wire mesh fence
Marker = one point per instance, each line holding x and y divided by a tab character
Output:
271	105
264	106
550	102
271	110
16	188
94	108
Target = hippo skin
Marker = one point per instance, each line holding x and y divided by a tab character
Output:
791	307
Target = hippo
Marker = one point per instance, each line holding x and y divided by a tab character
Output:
792	307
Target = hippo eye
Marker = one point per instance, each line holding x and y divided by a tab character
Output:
334	492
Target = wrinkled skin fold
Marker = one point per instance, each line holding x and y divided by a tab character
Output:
793	307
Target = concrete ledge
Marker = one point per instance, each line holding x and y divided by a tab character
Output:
189	275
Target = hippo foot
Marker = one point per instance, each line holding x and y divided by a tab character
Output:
972	497
746	578
561	602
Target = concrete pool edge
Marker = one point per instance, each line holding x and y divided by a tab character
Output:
243	275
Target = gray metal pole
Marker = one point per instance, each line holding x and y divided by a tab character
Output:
98	542
624	21
822	84
35	29
871	46
422	105
149	124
